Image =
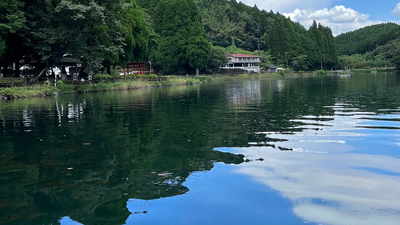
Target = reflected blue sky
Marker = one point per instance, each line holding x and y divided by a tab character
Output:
68	221
220	196
338	172
330	188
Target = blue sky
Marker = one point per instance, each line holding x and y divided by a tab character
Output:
340	15
378	10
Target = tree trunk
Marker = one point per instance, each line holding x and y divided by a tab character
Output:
197	71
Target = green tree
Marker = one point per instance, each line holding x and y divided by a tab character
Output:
299	62
325	42
87	30
217	59
389	51
12	18
158	15
199	49
134	32
169	54
266	60
153	39
366	39
183	46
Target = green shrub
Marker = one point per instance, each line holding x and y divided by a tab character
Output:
387	69
102	77
204	78
243	76
192	80
321	72
131	76
47	83
65	88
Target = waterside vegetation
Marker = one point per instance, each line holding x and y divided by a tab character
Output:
374	70
113	83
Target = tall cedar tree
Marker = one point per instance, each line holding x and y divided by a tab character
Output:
183	46
135	33
199	49
135	36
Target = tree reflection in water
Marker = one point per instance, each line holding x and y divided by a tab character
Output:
86	159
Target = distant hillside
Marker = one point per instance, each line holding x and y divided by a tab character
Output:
367	39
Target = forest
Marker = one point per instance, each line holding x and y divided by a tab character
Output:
177	36
371	46
233	27
100	33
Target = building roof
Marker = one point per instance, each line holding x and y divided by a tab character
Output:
273	67
244	55
63	61
69	60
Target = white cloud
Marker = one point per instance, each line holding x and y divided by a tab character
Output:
396	10
288	5
339	18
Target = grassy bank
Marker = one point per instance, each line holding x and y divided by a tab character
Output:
110	84
384	69
30	91
51	89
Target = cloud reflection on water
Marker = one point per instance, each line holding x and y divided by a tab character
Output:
337	173
330	189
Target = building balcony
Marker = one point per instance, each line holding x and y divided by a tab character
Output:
255	69
256	60
239	67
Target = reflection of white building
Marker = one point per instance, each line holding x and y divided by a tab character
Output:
248	92
250	63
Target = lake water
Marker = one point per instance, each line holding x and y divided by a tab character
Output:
320	150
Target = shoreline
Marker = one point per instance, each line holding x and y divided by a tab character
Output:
103	85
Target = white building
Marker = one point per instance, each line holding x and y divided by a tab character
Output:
250	63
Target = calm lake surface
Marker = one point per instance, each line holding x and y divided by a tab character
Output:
320	150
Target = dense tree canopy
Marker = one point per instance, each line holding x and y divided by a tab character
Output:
178	36
366	39
372	46
183	46
288	43
199	49
135	34
12	19
99	33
